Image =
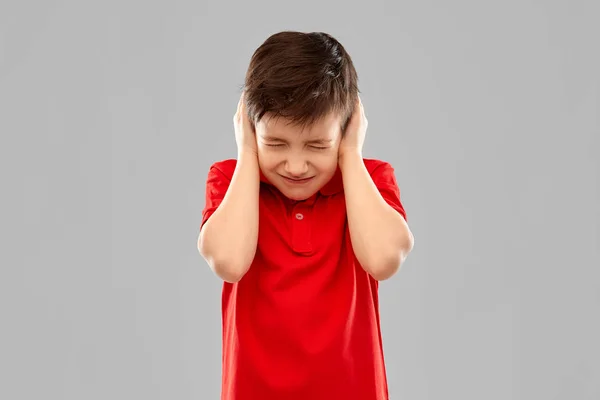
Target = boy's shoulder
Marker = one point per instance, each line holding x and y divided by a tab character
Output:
373	163
227	166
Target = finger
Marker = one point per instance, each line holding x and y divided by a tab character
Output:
239	105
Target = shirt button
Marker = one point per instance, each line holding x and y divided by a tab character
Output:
299	216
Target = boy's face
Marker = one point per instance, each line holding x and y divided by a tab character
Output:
297	162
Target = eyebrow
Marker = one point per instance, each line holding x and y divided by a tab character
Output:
315	141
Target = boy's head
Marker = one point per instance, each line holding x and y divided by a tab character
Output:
300	92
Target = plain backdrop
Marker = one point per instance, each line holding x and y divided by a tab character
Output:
111	113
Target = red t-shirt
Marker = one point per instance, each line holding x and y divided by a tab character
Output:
303	322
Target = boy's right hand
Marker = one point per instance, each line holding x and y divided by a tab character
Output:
245	135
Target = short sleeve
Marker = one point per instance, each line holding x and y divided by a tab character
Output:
385	180
217	184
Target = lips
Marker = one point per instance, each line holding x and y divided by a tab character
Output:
294	180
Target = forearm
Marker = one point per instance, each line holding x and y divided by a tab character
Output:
381	238
228	239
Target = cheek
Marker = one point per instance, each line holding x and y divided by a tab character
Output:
326	163
266	159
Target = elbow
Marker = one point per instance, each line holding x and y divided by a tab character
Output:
225	268
228	272
387	267
384	271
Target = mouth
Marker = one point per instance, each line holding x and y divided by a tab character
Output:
297	181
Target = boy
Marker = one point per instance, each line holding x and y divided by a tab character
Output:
301	229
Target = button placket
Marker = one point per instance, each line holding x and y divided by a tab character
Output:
301	242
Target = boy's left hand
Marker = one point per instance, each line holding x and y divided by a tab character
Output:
352	142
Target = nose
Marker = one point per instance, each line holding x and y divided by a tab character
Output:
296	167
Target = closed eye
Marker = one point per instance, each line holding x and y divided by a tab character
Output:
280	145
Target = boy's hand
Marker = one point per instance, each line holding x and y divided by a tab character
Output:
353	141
245	135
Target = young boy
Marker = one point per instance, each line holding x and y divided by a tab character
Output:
301	229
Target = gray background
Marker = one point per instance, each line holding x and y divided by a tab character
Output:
112	112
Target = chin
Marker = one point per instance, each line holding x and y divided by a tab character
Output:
298	196
297	193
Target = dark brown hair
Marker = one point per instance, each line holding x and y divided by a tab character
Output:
301	77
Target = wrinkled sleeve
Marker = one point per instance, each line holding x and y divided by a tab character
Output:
216	187
385	180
